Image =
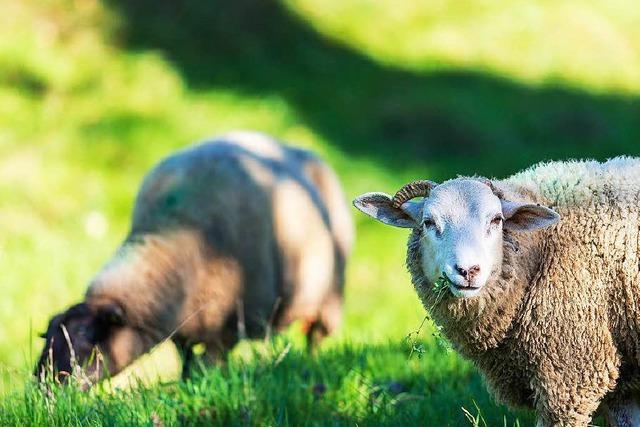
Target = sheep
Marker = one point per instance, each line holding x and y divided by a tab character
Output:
229	238
535	279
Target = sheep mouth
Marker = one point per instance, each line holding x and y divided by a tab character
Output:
461	285
465	287
465	291
457	289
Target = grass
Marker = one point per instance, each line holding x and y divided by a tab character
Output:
92	94
276	384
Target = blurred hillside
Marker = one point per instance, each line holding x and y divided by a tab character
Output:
92	94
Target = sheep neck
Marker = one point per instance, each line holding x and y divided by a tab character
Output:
144	276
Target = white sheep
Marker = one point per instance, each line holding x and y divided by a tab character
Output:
543	281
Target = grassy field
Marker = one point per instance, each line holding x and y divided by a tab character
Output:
93	93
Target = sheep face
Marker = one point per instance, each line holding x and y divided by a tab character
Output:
461	236
461	226
72	339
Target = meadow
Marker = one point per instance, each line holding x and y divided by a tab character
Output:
93	93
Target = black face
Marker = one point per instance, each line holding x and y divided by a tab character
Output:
86	329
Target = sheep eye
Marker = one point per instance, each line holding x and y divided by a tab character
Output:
428	223
497	220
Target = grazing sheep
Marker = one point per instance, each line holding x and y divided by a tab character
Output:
547	308
229	238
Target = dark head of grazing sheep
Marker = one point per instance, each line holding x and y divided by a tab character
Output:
73	338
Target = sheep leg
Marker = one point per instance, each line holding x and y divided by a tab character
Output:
578	414
623	413
185	349
316	331
214	353
567	422
326	323
558	405
216	349
214	356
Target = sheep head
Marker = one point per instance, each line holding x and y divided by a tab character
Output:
461	225
73	339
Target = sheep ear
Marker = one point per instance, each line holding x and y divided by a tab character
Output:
111	314
379	206
527	216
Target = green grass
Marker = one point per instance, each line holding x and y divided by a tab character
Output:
277	383
92	94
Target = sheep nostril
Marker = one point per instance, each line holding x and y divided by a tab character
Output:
461	271
473	271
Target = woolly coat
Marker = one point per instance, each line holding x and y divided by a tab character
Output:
558	328
228	238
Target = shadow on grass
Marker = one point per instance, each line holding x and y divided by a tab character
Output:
453	121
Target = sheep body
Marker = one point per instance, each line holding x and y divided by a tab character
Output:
559	330
228	238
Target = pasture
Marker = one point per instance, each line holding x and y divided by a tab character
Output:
92	94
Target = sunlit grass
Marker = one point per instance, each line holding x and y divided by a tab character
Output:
590	44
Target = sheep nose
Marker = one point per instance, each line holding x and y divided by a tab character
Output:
468	273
